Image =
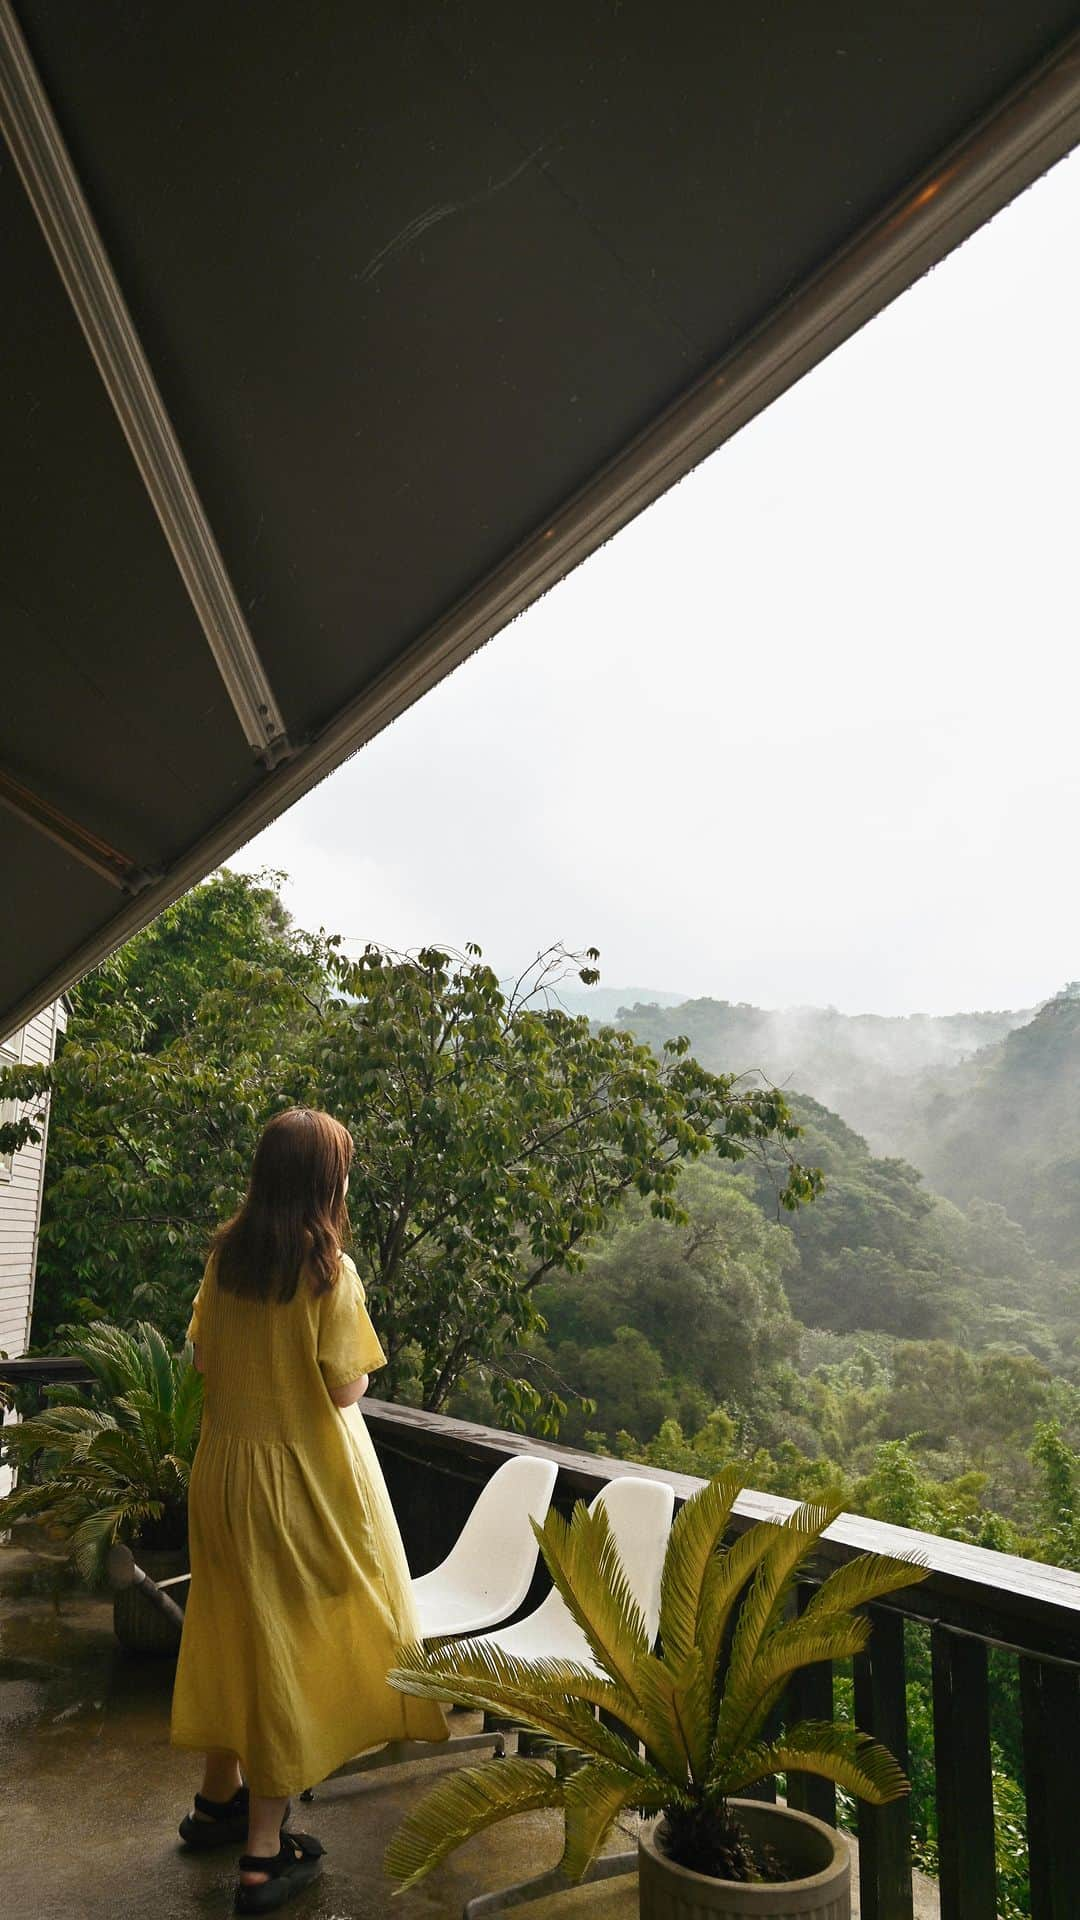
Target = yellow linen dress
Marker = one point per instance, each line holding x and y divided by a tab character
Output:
300	1592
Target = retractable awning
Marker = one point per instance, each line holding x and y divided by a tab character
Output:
334	334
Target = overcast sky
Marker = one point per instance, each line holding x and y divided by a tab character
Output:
806	731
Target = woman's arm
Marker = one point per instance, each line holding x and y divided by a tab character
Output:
348	1396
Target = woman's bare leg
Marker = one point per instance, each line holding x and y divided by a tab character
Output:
264	1834
221	1778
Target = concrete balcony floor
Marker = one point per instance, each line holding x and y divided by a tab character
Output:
91	1791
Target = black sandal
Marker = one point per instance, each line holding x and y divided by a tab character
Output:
226	1822
298	1863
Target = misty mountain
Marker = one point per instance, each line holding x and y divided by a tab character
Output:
1005	1127
604	1004
881	1251
871	1068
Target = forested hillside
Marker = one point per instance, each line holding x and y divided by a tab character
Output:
1006	1126
880	1314
881	1250
916	1349
868	1067
985	1105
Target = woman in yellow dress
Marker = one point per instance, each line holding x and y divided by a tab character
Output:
300	1591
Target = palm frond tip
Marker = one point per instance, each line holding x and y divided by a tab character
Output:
462	1805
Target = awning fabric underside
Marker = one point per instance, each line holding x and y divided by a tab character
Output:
411	280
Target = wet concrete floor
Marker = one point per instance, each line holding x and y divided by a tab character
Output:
91	1791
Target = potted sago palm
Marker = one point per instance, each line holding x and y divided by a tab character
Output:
681	1733
111	1463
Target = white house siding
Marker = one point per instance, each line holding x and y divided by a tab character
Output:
20	1199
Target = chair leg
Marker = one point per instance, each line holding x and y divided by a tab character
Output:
610	1866
401	1753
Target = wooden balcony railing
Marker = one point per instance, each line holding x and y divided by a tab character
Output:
972	1601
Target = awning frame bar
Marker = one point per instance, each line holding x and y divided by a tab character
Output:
53	189
87	847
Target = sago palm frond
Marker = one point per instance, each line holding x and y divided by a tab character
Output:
760	1609
111	1354
725	1580
160	1368
180	1466
480	1660
544	1696
463	1804
26	1503
594	1798
124	1455
773	1675
696	1534
107	1467
82	1443
784	1652
868	1577
676	1710
144	1417
842	1754
583	1561
55	1430
827	1630
94	1536
692	1702
187	1407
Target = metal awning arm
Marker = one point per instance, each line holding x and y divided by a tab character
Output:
53	189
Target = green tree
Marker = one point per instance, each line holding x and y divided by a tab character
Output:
931	1382
712	1447
178	1048
1058	1467
153	990
629	1388
706	1293
494	1134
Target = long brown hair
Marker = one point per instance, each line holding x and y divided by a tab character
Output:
294	1217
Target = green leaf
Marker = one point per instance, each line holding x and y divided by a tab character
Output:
595	1795
842	1754
464	1804
551	1697
696	1533
583	1561
870	1576
788	1544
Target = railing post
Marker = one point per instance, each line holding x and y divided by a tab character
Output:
1050	1704
810	1697
884	1832
963	1776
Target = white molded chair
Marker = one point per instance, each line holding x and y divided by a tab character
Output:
640	1513
488	1572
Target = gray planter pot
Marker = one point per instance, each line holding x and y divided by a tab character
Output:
822	1892
139	1626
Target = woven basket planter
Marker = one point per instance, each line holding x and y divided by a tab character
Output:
139	1626
817	1853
